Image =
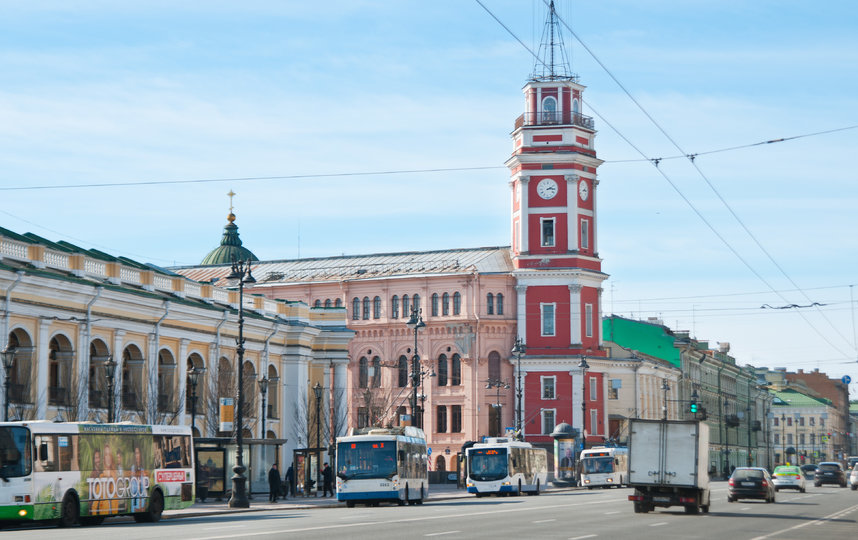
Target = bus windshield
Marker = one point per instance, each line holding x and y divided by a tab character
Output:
597	465
488	464
369	459
14	452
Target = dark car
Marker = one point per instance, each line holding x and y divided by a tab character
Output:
750	483
829	472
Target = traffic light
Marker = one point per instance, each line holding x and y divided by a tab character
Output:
693	408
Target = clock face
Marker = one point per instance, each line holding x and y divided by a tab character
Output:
547	188
583	190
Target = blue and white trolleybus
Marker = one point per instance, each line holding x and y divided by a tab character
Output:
505	466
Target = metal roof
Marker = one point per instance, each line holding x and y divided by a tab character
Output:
485	260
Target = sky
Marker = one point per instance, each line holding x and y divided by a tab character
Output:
358	126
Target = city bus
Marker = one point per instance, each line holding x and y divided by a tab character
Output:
83	472
505	466
377	465
604	467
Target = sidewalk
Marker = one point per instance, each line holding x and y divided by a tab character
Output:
259	503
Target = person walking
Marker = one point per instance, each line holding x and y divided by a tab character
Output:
273	483
328	481
289	481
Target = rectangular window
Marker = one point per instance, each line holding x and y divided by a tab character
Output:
441	419
776	421
588	314
363	417
812	420
789	421
822	422
548	319
777	438
801	439
801	421
789	438
594	382
548	387
547	232
547	421
585	234
456	419
614	389
594	422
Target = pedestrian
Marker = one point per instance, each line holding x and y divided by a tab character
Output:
328	481
289	481
273	483
202	484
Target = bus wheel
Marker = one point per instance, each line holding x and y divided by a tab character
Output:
156	508
420	500
70	511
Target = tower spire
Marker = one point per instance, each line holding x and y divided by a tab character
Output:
552	63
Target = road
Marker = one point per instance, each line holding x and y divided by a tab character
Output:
821	513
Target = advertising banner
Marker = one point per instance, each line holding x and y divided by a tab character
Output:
227	410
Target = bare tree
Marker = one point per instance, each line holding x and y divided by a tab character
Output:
302	419
160	407
218	384
74	405
379	406
19	407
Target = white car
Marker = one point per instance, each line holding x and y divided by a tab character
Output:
853	477
788	477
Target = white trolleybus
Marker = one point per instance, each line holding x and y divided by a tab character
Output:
604	467
505	466
84	472
377	465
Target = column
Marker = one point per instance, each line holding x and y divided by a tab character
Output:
182	375
572	212
117	375
575	315
150	395
294	379
523	214
341	396
79	383
521	311
41	390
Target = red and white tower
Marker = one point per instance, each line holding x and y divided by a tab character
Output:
554	250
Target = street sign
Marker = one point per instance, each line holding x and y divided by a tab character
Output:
429	450
846	379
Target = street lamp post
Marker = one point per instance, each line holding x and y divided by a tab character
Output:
726	438
110	371
783	438
584	367
415	323
240	274
8	364
665	388
317	391
518	349
194	378
498	384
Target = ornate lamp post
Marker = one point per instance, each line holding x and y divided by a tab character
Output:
416	323
110	372
8	364
665	388
783	438
317	391
194	378
498	384
518	348
584	367
240	274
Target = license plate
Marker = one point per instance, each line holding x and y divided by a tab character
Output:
661	499
748	484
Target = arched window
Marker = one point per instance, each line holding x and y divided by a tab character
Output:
273	393
490	304
394	307
402	372
327	302
376	307
434	304
166	386
60	366
494	366
415	301
549	109
445	304
338	302
500	304
251	390
441	464
442	370
20	377
362	372
405	311
98	355
575	109
132	379
456	370
376	372
356	309
457	303
317	303
195	401
366	308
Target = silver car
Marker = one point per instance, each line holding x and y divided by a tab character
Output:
853	477
788	477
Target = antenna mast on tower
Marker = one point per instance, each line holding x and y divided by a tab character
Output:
552	63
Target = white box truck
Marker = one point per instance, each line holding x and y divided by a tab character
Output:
667	464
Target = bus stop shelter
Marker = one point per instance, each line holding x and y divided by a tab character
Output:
217	454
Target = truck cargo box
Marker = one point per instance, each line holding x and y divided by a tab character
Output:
668	453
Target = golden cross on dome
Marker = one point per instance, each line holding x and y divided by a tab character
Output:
231	194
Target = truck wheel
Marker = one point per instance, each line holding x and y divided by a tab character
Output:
638	508
691	509
705	508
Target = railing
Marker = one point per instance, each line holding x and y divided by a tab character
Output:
130	275
554	118
13	248
57	395
56	259
93	266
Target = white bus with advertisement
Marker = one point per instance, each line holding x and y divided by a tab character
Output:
84	472
377	465
505	466
604	467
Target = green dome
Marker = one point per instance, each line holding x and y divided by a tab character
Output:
230	249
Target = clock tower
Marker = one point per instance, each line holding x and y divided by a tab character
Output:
555	257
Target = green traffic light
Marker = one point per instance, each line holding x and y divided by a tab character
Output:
694	408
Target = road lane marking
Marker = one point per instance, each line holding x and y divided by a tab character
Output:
583	537
442	533
614	512
544	520
745	508
659	524
814	522
224	527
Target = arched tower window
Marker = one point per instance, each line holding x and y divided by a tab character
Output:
376	307
434	304
549	110
494	366
490	304
499	300
445	304
394	307
376	372
402	372
366	308
456	370
457	303
442	370
362	372
355	308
